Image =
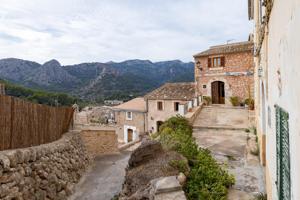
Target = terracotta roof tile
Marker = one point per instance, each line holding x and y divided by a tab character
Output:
137	104
173	91
227	48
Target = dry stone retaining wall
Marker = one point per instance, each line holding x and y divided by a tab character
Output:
47	171
100	141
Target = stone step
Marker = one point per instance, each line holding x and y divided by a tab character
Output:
195	128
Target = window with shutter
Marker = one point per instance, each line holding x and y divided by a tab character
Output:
223	61
209	62
216	62
283	154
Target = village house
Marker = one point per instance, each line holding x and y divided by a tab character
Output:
169	100
225	71
131	118
277	73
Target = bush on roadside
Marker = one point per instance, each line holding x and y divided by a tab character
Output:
206	179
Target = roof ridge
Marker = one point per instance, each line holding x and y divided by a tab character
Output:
227	48
231	44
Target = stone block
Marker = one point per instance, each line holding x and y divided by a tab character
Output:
177	195
148	150
166	184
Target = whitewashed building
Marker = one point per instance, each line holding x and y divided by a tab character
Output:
277	72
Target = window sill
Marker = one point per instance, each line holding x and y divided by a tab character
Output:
216	68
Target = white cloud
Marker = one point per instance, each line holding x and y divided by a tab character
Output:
74	31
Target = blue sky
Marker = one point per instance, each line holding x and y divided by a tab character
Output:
75	31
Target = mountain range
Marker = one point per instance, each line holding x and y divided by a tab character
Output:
96	81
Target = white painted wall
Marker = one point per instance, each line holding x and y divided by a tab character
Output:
283	55
135	134
168	111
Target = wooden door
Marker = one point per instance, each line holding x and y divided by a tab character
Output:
218	92
215	92
129	135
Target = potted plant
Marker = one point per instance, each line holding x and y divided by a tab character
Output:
235	101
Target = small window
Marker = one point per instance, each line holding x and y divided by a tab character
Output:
159	105
176	106
128	115
204	86
216	62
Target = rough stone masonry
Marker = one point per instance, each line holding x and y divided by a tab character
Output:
47	171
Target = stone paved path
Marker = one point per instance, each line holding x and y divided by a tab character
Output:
220	129
104	180
222	117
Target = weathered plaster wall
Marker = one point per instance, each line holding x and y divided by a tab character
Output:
155	115
99	142
47	171
139	120
282	78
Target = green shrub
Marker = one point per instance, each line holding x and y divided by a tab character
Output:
206	178
235	101
181	165
207	100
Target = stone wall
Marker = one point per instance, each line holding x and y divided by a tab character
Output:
47	171
234	85
100	141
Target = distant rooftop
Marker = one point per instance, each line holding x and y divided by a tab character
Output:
173	91
227	48
137	104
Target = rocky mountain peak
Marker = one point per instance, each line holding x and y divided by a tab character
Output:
52	63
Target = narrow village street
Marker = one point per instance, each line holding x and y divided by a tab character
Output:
105	178
221	129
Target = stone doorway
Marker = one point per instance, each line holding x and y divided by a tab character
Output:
129	135
218	92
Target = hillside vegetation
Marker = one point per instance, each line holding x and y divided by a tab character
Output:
39	96
96	81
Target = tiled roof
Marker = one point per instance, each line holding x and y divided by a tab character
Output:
137	104
173	91
227	48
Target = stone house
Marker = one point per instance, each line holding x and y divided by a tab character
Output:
169	100
277	93
131	117
225	71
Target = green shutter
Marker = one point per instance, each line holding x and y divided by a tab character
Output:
283	154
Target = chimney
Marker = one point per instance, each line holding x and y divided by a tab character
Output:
2	89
